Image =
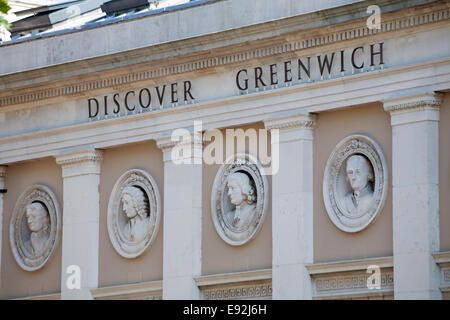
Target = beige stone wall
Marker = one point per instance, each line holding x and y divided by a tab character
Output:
330	243
446	296
16	282
444	174
113	268
220	257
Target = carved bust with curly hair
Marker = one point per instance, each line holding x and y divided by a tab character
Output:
136	209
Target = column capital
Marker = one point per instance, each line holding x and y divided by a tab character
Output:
413	108
290	120
167	141
80	162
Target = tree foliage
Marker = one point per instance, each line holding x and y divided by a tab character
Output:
4	8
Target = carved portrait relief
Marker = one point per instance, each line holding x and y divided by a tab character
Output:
239	199
34	228
134	213
355	183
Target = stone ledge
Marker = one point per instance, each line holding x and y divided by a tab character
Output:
349	265
139	291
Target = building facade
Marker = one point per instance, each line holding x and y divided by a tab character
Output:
227	149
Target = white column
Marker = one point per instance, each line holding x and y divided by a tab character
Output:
182	220
2	190
292	206
415	190
80	230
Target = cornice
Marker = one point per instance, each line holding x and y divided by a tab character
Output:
349	265
165	142
227	278
78	157
304	121
147	290
442	257
421	101
302	40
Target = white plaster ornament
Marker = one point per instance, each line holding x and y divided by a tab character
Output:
35	227
355	183
134	213
239	199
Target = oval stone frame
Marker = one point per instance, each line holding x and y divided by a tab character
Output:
143	180
18	227
248	164
333	184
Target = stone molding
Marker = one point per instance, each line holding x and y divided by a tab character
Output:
80	162
418	102
348	279
151	290
54	296
349	265
358	30
193	139
290	121
241	285
442	259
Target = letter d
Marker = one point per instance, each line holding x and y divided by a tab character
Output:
90	107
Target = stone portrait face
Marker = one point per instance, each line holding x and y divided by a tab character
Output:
235	192
358	172
133	202
239	188
128	206
36	216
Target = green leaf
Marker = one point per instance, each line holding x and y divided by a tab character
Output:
4	8
5	23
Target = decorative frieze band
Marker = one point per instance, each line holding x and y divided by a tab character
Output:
253	291
242	285
351	282
360	31
350	279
